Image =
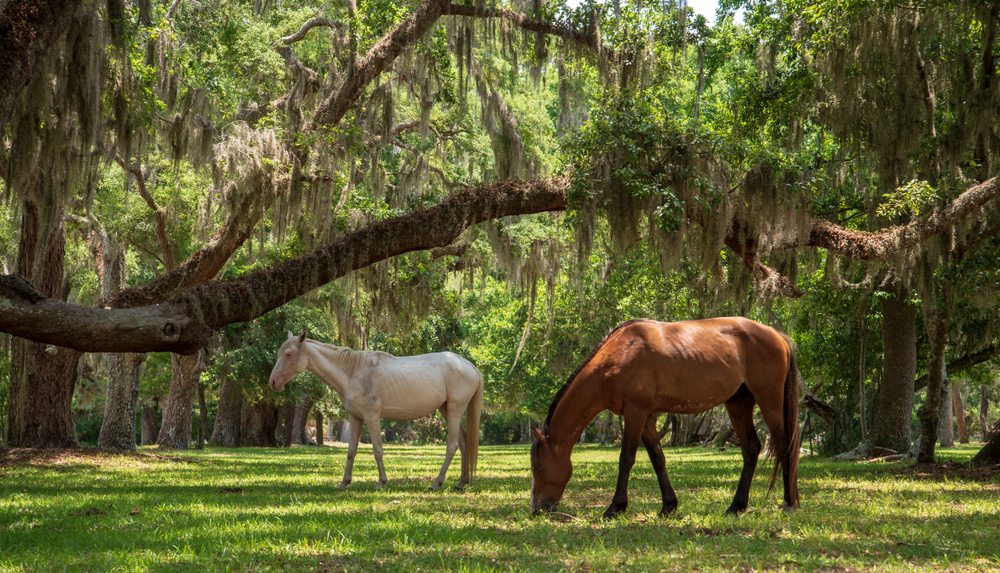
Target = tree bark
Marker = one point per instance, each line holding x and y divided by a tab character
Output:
990	454
959	410
319	427
185	323
229	411
963	362
946	430
259	422
150	421
938	324
118	428
28	29
42	376
300	431
984	407
202	417
176	429
894	405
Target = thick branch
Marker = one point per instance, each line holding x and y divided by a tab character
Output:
184	323
28	29
587	39
383	53
963	363
301	34
883	244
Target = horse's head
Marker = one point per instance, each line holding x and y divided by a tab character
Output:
291	361
550	472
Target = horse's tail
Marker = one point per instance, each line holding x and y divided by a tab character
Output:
472	415
790	457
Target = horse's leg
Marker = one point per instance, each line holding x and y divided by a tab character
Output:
354	425
740	409
774	418
651	439
453	416
634	427
375	432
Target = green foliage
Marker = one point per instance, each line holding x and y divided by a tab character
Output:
910	199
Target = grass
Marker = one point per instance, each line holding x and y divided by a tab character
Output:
278	510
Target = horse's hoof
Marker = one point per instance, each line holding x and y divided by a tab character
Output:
342	486
667	511
735	510
614	513
788	509
380	485
434	487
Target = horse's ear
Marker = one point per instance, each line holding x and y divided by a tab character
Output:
290	335
302	337
539	437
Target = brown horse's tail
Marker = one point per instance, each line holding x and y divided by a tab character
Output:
472	414
790	457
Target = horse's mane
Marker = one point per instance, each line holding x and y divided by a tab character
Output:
572	377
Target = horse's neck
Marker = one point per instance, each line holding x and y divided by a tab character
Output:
577	408
334	364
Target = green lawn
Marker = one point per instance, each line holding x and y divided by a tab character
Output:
278	510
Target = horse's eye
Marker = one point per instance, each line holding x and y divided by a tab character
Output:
288	354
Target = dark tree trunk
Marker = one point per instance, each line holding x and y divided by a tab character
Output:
946	431
150	421
177	413
118	428
300	430
284	436
990	454
42	377
319	427
938	323
259	422
226	431
202	417
984	408
894	406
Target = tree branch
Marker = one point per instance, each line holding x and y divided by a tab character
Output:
184	323
963	363
301	34
161	214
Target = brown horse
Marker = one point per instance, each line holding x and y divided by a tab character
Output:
644	367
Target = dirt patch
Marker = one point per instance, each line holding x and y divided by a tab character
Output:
951	471
67	456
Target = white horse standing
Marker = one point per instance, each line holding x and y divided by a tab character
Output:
375	385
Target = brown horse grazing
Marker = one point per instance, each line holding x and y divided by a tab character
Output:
644	367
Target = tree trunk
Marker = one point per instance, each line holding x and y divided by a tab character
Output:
946	430
300	430
229	411
959	410
343	431
259	422
990	454
42	377
938	322
984	408
150	421
319	427
202	417
894	405
118	428
177	413
285	436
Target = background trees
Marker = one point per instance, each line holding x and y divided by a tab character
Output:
238	155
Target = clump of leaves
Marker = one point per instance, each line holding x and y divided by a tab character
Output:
910	199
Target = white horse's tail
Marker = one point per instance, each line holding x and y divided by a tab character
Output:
472	415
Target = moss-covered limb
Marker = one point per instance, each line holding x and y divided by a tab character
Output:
184	324
383	53
587	39
884	244
28	28
161	214
221	303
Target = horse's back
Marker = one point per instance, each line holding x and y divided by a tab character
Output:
695	365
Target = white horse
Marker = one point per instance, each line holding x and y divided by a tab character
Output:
375	385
